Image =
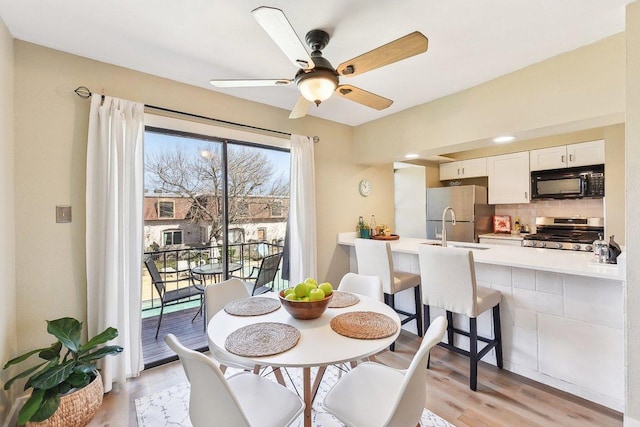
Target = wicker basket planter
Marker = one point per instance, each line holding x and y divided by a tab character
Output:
76	409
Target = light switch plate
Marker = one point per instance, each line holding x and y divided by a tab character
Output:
63	214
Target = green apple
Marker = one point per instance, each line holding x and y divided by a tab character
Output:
316	295
326	288
289	291
301	290
306	299
291	297
311	281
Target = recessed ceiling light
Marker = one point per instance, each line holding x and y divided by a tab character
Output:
503	139
411	156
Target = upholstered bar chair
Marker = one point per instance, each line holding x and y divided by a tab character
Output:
449	282
374	259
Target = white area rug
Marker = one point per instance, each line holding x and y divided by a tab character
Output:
170	407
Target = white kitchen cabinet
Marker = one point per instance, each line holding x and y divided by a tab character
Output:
581	154
508	178
548	158
471	168
585	153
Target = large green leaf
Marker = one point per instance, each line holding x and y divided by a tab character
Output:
49	378
51	352
31	406
22	375
78	379
23	357
86	368
99	354
67	330
101	338
49	405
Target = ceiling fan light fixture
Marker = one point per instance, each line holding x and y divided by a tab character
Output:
317	86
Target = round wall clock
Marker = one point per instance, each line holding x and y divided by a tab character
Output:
365	187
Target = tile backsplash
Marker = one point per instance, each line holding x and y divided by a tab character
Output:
565	208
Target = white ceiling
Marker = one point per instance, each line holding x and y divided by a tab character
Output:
193	41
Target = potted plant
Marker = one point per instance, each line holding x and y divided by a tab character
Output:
62	372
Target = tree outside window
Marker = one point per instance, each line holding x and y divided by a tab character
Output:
194	172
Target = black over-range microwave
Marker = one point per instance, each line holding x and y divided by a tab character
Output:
568	183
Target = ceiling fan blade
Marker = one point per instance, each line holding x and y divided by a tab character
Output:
402	48
363	97
249	83
276	24
300	109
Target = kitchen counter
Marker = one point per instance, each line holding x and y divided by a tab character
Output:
551	260
562	314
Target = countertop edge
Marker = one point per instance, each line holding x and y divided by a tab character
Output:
551	260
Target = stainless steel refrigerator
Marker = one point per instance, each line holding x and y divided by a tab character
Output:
473	215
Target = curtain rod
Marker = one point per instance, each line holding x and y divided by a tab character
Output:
84	92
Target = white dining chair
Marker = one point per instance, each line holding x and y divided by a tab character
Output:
370	286
241	400
216	296
377	395
449	282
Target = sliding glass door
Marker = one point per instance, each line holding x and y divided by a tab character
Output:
213	208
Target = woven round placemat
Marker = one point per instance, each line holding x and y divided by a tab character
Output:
254	306
366	325
262	339
343	299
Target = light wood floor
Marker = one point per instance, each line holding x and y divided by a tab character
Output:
502	399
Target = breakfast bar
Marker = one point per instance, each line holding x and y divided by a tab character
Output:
562	313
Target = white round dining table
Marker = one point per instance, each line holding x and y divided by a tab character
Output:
319	345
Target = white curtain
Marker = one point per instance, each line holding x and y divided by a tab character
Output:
302	211
114	235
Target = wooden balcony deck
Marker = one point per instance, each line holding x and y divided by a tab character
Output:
191	334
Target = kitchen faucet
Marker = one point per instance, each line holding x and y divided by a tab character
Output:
444	229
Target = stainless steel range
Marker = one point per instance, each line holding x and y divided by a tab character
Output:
571	233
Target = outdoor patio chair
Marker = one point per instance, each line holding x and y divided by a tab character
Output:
261	278
174	295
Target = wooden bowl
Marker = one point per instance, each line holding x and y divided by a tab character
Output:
305	310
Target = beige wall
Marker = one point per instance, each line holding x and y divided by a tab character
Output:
580	89
632	171
8	339
51	132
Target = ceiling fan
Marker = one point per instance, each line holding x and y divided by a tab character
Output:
317	80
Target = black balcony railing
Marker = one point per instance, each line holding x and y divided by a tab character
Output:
175	266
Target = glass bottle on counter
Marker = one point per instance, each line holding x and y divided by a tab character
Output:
516	226
360	225
373	226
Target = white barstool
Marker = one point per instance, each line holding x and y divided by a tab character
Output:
374	259
449	282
